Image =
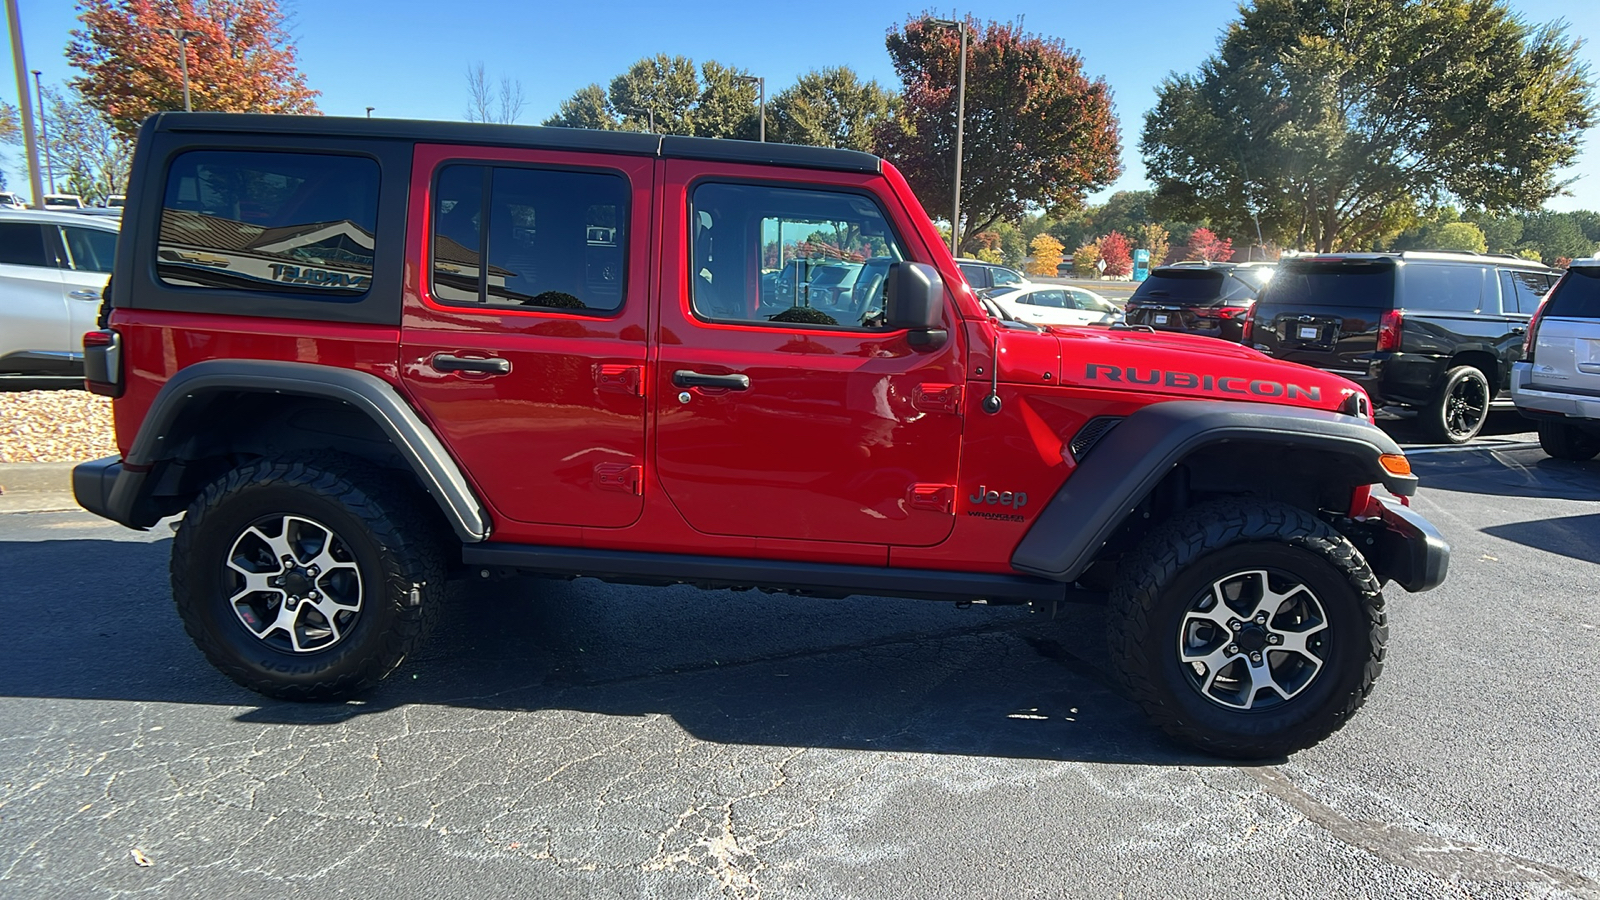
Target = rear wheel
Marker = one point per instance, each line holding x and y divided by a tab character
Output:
1457	414
1247	629
306	580
1564	440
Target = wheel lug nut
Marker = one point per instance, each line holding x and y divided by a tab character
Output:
1275	639
312	595
1261	619
1255	657
1233	649
1236	625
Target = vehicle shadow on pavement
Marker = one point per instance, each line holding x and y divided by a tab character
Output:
1577	537
728	667
1510	473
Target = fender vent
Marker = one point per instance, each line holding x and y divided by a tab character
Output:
1090	434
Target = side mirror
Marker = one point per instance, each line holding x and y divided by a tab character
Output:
913	298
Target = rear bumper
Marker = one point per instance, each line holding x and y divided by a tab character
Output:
1533	401
1410	550
105	488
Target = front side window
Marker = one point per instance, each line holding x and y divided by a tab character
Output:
1005	276
89	249
551	239
297	223
789	256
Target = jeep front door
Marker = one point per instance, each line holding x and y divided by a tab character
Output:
793	417
523	338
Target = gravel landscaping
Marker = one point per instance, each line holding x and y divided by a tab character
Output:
55	426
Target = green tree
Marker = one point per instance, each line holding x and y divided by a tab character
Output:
1038	132
728	104
658	94
586	109
1500	232
830	108
1555	236
1333	121
1462	236
1124	211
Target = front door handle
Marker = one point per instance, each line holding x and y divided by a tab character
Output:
689	378
1519	330
84	295
494	365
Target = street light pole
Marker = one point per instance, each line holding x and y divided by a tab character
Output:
44	132
28	138
961	116
369	111
182	35
761	87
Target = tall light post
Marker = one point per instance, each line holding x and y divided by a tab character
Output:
961	115
369	111
44	132
761	86
25	103
182	35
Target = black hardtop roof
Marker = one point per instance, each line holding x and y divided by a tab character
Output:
629	143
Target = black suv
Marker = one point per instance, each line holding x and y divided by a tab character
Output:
1435	332
1209	299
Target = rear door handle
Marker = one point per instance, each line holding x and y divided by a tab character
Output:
690	378
494	365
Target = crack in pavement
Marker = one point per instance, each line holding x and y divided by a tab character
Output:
1421	852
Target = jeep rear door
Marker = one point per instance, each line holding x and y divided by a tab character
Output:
523	336
799	423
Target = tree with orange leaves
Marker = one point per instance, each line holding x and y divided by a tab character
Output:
239	55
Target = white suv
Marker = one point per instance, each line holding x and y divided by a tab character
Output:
1558	382
53	267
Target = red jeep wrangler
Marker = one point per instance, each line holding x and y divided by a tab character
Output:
361	356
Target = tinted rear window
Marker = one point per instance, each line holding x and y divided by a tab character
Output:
1185	286
1360	285
1577	296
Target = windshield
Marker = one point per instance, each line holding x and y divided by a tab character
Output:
1000	291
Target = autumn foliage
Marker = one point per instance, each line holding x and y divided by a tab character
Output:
239	55
1046	255
1114	249
1039	132
1204	244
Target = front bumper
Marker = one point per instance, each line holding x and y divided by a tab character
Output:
1534	400
1409	550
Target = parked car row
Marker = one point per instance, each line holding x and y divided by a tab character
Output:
53	267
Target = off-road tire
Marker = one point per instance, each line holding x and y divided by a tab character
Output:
1563	440
396	546
1161	578
1443	421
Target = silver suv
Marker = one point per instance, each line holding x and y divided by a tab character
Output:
1558	382
53	266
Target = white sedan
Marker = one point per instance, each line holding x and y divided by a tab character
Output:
1054	304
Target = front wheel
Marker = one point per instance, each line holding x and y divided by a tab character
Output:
306	580
1247	629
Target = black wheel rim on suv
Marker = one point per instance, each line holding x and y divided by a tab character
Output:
1253	640
1466	406
293	583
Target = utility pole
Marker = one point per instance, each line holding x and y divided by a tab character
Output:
44	132
369	111
961	116
182	35
28	138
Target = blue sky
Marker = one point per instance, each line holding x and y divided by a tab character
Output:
407	58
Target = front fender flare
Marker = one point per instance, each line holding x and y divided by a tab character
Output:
1128	463
365	392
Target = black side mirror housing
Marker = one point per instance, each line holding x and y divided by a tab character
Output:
913	298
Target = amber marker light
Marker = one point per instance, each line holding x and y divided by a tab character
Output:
1395	463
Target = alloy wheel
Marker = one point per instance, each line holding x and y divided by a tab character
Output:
1254	639
294	583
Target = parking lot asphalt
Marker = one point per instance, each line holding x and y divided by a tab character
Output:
585	740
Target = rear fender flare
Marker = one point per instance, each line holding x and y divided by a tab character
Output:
1127	464
367	393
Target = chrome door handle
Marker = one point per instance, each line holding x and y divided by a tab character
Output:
84	295
494	365
688	378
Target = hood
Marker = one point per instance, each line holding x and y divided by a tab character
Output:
1177	365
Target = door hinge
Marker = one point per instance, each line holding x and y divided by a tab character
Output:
937	398
618	477
620	379
933	497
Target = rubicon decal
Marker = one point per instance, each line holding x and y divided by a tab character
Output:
1225	384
